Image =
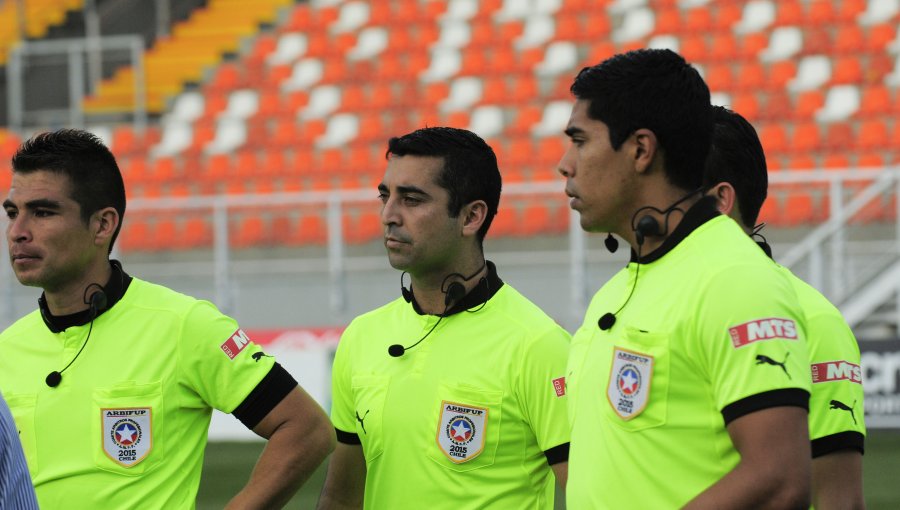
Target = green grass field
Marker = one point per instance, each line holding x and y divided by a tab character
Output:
227	466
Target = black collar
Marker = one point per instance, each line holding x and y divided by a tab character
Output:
487	286
704	210
114	289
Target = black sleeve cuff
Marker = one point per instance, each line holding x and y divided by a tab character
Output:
347	437
849	440
775	398
265	396
557	454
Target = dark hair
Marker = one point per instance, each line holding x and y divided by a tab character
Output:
736	157
470	168
655	89
92	170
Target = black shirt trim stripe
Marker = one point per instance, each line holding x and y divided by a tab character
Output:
265	396
347	437
849	440
557	454
775	398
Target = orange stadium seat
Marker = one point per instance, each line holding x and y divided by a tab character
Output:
724	48
839	137
747	104
816	40
668	21
362	228
847	70
872	134
252	230
836	161
726	15
805	137
774	138
807	104
878	37
849	39
536	219
698	20
876	101
799	209
788	13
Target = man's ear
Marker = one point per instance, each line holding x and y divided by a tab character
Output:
726	198
105	222
473	215
646	147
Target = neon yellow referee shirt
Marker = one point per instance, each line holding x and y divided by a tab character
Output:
127	425
836	412
462	420
711	332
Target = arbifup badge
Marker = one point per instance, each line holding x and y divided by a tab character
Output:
460	432
629	382
126	434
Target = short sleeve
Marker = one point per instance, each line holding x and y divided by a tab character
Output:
220	362
542	387
341	392
751	341
836	404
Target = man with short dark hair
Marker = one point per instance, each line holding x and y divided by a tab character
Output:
688	380
737	177
112	380
452	395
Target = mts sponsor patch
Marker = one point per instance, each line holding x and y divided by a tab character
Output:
836	371
559	385
762	329
235	343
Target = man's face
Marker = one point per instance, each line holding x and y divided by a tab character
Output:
599	179
419	234
49	245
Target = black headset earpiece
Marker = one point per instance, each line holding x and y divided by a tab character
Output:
455	292
98	303
406	293
647	226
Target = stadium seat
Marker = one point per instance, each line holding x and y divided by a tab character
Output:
839	137
841	102
872	134
807	103
849	39
197	234
805	137
774	138
847	70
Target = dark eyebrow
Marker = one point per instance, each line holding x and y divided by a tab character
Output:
38	203
382	188
572	131
411	190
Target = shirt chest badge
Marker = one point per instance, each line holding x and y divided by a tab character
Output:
629	382
127	437
461	431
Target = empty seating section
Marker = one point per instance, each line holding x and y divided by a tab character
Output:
34	22
308	101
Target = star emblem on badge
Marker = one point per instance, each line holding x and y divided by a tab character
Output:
126	434
460	431
628	382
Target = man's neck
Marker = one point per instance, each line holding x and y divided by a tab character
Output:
667	220
431	292
71	298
